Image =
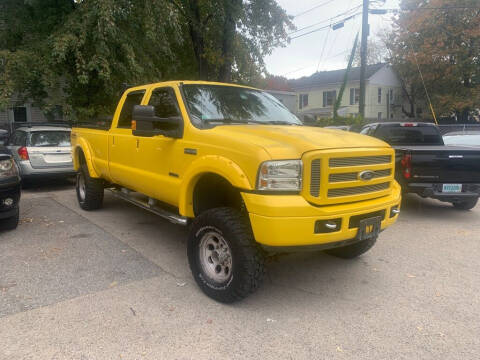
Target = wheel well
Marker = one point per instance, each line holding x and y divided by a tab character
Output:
213	191
81	156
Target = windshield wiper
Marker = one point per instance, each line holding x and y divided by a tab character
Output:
224	121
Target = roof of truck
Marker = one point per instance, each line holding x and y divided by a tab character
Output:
187	82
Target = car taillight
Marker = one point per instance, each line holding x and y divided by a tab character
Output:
23	153
407	166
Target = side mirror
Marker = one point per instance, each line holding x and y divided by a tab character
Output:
146	123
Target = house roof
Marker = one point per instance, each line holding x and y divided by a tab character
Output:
334	77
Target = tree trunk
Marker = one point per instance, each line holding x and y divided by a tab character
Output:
231	8
196	36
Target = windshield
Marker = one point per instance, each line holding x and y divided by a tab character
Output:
50	138
470	140
215	104
415	135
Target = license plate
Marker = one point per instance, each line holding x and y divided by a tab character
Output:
369	228
452	188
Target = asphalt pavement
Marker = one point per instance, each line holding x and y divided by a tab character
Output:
115	284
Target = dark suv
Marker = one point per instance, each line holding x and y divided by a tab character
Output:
9	191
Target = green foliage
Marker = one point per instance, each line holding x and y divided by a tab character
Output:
81	53
341	120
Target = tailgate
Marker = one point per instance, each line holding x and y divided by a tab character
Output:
45	157
444	164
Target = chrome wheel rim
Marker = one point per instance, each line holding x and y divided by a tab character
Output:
215	257
81	186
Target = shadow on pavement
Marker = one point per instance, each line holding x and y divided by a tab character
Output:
47	185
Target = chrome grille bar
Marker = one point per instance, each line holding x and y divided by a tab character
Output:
359	160
352	176
356	190
315	178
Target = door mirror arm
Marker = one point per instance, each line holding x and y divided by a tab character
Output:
145	123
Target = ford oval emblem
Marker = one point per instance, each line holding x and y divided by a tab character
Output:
366	175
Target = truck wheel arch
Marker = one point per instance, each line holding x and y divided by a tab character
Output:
209	167
80	151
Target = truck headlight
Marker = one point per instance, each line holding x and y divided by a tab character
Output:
280	175
8	168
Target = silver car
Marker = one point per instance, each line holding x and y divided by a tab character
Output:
42	151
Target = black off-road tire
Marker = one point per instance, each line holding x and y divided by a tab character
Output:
354	250
11	222
247	258
89	190
465	204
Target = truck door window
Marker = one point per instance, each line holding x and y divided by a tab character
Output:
165	103
125	119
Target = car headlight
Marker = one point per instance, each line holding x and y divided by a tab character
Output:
8	168
280	175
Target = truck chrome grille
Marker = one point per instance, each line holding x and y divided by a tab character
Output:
353	176
355	190
359	160
315	178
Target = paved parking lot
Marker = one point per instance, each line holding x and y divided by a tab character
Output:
115	284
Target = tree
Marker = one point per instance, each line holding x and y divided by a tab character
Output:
443	38
81	53
231	37
376	52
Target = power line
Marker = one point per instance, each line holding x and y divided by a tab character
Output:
313	8
326	26
434	8
327	20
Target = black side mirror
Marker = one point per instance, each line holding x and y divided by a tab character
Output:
146	123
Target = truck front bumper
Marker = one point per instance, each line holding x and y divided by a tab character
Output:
290	221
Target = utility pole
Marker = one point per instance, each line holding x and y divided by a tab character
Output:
363	58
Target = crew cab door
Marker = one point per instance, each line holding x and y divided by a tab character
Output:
158	158
122	144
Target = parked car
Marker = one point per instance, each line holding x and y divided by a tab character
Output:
3	136
234	163
463	138
339	127
42	150
427	167
9	191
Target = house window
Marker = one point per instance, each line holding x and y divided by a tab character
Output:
390	94
303	101
20	114
379	116
354	96
379	95
329	97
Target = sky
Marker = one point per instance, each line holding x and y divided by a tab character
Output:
326	49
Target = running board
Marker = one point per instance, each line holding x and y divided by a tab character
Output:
150	205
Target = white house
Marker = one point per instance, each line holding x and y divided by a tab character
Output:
317	93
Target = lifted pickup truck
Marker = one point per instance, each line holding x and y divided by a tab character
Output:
429	168
246	175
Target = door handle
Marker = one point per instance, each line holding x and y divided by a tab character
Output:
138	143
113	140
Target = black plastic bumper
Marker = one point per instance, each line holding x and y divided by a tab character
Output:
434	191
9	189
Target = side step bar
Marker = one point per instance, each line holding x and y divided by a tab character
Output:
150	205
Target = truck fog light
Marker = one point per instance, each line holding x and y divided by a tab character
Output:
8	202
394	211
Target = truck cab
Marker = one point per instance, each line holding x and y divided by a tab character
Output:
243	172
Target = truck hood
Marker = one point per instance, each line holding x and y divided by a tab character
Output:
290	142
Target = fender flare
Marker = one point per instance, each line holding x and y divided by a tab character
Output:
210	164
82	145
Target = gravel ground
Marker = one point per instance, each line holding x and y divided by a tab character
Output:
115	284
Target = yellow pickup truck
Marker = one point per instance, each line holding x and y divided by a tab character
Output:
243	172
